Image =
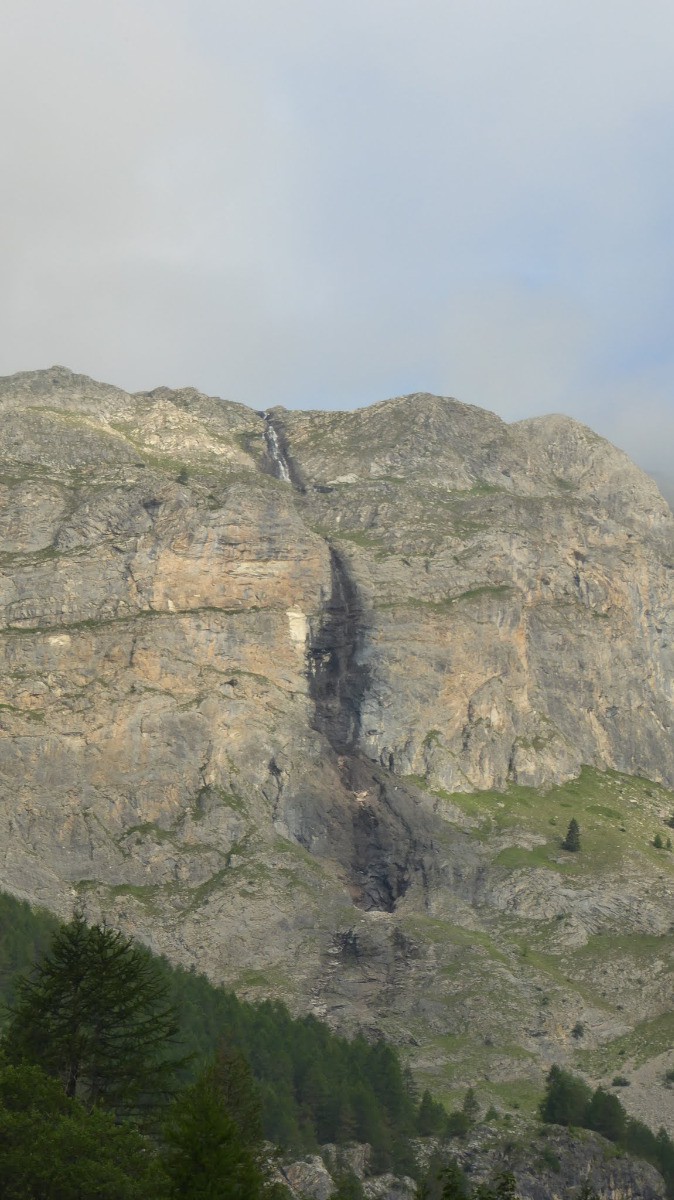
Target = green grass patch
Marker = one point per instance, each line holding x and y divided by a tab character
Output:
514	857
647	1040
440	932
618	816
519	1095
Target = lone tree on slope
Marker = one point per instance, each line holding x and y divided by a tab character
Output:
572	839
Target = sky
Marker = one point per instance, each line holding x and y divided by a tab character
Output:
323	203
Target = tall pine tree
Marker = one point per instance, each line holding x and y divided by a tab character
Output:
94	1014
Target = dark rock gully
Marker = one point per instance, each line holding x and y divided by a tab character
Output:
390	842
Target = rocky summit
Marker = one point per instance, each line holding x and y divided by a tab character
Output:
307	700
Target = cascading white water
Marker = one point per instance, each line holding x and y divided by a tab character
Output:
275	452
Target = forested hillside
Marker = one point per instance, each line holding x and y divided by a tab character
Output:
315	1087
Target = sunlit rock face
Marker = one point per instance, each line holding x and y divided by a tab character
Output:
514	586
249	658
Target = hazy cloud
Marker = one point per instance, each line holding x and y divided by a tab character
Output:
319	204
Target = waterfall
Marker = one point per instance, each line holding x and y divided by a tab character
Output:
275	452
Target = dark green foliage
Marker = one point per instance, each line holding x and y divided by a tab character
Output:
566	1100
569	1101
453	1182
25	936
213	1140
445	1180
314	1087
586	1192
549	1159
606	1115
639	1139
348	1186
94	1015
578	1030
439	1171
572	840
431	1117
620	1081
470	1107
458	1124
51	1148
663	1158
658	842
504	1187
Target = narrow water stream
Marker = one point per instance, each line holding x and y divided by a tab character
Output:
278	458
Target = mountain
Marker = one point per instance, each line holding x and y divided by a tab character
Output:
308	699
665	482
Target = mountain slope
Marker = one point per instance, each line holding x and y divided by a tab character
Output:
257	667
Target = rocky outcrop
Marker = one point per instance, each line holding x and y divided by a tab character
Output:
256	665
554	1164
517	582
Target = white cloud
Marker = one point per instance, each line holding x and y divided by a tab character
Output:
303	202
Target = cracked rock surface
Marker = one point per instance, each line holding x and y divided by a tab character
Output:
256	668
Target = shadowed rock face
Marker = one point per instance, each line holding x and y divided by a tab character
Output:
337	678
237	709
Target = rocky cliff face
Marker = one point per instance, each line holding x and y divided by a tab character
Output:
255	667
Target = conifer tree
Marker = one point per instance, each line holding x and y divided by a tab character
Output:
470	1107
51	1148
506	1186
566	1100
95	1015
572	839
214	1143
454	1185
431	1116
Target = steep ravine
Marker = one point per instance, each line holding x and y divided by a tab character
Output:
337	675
388	843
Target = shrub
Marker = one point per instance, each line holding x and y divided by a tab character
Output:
550	1159
458	1124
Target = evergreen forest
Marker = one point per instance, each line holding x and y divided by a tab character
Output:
313	1087
122	1077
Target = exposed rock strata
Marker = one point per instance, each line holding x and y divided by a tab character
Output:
239	711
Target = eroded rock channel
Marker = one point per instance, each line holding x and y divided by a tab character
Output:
385	852
338	677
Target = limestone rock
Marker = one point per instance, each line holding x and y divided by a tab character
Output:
255	667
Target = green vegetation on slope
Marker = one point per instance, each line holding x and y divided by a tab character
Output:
315	1087
557	941
569	1101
